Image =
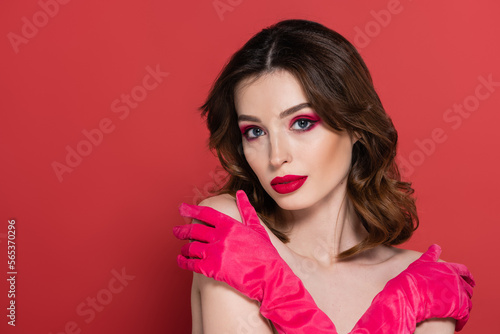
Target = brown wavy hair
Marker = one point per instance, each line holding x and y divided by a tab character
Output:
339	88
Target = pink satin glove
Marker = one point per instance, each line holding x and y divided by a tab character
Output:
242	255
426	289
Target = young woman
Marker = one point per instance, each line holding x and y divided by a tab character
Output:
297	124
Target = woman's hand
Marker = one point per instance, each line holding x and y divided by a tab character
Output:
444	289
242	255
427	289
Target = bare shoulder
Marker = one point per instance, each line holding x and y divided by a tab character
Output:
224	203
402	258
407	256
394	260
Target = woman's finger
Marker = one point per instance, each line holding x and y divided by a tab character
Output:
188	264
198	232
247	212
205	214
194	250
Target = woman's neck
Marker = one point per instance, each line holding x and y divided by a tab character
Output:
326	229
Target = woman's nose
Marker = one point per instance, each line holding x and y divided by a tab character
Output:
279	151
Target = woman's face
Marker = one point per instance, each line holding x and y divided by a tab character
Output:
299	160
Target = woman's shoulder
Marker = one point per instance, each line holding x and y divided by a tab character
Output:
405	257
412	260
224	203
218	200
400	259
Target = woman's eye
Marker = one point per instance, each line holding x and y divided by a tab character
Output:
303	124
253	133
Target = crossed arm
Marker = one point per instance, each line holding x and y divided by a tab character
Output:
219	308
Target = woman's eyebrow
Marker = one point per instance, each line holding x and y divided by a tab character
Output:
283	114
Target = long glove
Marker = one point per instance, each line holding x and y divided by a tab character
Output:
426	289
242	255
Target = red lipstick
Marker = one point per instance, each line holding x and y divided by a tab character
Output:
288	183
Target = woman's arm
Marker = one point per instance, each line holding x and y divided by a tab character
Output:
436	326
216	307
225	310
196	316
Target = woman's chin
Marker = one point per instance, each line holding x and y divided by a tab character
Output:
290	203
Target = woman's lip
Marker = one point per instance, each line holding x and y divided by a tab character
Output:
287	183
286	179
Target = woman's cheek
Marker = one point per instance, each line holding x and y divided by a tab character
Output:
252	152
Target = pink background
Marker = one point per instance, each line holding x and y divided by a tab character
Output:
110	213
